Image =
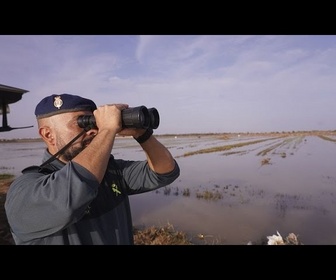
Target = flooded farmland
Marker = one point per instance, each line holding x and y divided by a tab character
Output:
242	189
234	189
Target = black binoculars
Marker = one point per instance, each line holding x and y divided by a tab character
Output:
136	117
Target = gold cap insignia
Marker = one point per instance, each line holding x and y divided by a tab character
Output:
58	102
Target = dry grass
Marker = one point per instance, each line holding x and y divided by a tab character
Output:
265	161
166	235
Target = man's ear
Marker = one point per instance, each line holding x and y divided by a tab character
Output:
47	134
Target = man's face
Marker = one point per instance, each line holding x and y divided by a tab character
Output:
66	129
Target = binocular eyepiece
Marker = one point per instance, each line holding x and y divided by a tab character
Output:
136	117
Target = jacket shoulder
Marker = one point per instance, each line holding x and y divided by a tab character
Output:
37	169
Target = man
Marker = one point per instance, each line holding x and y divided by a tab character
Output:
79	195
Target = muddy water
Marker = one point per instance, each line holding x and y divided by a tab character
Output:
293	191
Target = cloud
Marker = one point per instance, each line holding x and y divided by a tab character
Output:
275	77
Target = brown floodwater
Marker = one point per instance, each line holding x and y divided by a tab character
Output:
293	193
233	196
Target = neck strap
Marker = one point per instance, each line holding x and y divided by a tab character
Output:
63	149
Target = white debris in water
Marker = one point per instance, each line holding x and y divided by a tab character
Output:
275	239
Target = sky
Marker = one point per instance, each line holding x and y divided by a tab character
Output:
198	83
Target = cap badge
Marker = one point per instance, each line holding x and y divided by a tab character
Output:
58	102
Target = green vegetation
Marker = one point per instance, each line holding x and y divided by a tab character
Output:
6	176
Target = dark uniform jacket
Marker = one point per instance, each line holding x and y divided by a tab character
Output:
65	204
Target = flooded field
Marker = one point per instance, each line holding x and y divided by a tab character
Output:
233	189
242	189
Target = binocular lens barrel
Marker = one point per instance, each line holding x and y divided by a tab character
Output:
154	118
136	117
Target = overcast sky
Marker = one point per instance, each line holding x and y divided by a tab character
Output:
198	83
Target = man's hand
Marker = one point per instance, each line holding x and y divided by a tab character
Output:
135	132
